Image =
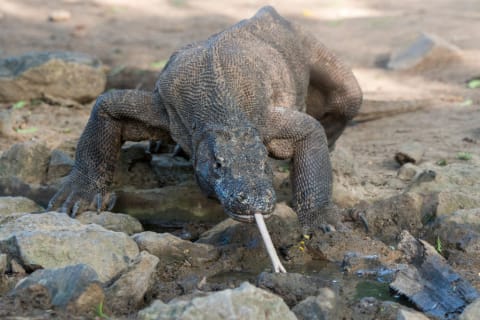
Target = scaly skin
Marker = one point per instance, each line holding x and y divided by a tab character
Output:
263	87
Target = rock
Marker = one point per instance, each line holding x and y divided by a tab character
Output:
17	268
471	312
123	77
127	293
362	265
321	307
346	189
409	314
14	186
172	249
333	246
292	287
75	289
461	230
55	240
6	123
170	205
408	171
112	221
59	166
428	51
64	74
244	302
28	161
59	15
450	201
410	152
370	308
3	263
429	282
18	204
388	217
245	245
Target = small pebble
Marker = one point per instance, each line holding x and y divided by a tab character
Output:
59	15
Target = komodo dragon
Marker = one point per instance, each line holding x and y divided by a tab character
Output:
263	87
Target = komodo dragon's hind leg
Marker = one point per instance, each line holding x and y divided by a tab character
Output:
118	116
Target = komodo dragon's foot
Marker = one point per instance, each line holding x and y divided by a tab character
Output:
333	219
79	194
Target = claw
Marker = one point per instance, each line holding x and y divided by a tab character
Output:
54	199
76	208
66	206
111	201
98	202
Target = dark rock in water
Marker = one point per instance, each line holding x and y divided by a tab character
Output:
292	287
172	205
321	307
27	161
75	289
430	283
68	75
370	308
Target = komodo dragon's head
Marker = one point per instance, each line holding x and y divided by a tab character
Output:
231	164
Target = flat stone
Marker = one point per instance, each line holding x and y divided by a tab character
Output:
27	161
427	51
244	302
112	221
408	314
59	166
471	312
10	205
410	152
320	307
64	74
408	171
75	289
53	239
128	292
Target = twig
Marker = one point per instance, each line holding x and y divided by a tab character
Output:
277	265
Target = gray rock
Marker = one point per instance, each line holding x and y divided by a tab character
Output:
17	268
127	293
10	205
461	230
3	263
244	302
6	123
245	244
173	249
370	308
68	75
428	51
112	221
450	201
471	312
75	289
55	240
131	78
28	161
292	287
409	314
169	205
59	166
388	217
321	307
408	171
410	152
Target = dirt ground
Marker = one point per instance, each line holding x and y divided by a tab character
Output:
144	33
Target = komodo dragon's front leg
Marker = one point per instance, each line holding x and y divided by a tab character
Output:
117	116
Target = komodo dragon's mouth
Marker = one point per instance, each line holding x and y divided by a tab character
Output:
248	218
